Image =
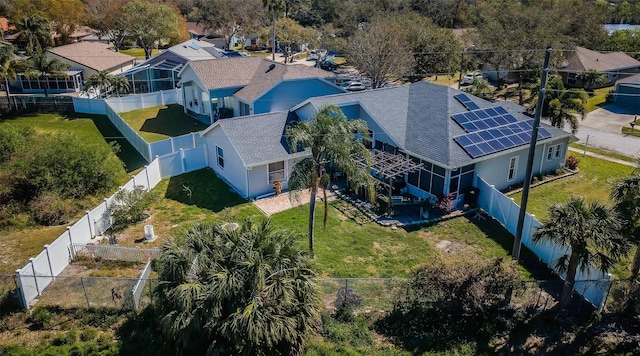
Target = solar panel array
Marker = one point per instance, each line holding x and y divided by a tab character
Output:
466	101
484	142
483	119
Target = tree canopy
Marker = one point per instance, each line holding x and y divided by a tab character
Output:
236	290
150	23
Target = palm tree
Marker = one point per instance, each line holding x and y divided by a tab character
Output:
7	66
100	83
243	290
626	195
39	66
36	31
591	77
332	140
592	232
560	104
120	85
273	7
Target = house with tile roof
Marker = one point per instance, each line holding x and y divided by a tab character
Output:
616	65
84	59
92	57
240	86
455	137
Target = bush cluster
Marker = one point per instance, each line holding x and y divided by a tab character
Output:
42	174
129	207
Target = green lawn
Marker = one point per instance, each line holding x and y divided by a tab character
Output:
600	152
138	52
344	249
17	246
594	181
161	122
598	99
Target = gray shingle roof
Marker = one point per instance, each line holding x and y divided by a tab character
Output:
94	55
252	73
265	78
584	59
417	117
259	138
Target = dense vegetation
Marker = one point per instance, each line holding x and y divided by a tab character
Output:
48	173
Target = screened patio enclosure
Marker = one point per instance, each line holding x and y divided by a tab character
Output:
153	77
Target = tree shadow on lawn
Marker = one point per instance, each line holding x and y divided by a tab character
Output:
207	191
130	157
172	121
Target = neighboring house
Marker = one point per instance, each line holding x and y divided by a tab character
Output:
250	152
200	32
84	59
616	65
160	72
242	86
420	121
627	91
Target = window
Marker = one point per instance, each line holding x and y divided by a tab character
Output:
513	168
244	109
220	154
554	152
276	172
558	151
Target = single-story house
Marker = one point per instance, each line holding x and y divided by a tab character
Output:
92	57
627	91
84	59
250	152
240	86
456	137
616	65
160	72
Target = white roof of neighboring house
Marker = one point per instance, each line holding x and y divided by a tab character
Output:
94	55
196	50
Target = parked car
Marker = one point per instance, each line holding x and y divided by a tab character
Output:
470	77
313	56
328	65
354	86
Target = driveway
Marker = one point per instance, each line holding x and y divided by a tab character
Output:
603	128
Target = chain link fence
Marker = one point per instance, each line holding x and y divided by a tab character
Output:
370	293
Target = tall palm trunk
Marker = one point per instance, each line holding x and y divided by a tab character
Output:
312	217
273	38
635	265
633	294
46	86
567	289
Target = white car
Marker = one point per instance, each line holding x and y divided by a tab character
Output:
470	77
354	86
313	56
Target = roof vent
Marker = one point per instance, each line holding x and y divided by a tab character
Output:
271	67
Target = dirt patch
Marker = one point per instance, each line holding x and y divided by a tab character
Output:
450	246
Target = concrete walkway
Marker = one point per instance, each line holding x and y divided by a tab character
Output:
278	203
607	158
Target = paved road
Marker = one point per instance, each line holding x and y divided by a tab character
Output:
603	126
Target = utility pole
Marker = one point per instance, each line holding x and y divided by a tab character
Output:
517	242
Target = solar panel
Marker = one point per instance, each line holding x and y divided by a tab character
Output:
466	101
194	46
485	142
482	119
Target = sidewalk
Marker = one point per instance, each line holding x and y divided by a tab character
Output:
607	158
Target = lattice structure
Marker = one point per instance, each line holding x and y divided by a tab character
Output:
389	165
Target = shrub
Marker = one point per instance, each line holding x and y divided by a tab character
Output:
572	162
67	165
11	140
346	301
40	317
129	207
50	209
610	96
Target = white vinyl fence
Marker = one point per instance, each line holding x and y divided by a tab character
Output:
41	270
139	286
592	284
112	106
